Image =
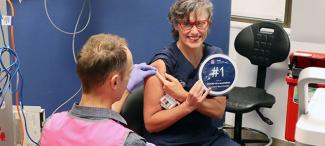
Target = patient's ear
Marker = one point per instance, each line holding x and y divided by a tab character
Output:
114	81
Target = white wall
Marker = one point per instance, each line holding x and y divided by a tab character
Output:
264	9
308	21
275	78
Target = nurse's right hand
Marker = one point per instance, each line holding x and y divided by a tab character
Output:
172	87
196	95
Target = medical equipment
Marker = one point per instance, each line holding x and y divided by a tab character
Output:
298	61
11	84
7	128
310	128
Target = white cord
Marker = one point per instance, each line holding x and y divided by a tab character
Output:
76	26
65	102
73	50
56	27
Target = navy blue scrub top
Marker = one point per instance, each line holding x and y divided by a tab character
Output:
194	127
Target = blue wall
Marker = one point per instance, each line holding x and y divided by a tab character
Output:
48	67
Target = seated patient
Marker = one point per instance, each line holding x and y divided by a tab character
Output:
104	66
191	122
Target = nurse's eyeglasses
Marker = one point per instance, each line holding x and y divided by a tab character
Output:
201	25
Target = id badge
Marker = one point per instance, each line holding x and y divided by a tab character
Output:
168	102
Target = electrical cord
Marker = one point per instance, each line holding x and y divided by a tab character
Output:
65	102
3	89
23	113
19	89
12	52
22	107
14	68
18	84
74	55
61	30
11	72
76	26
8	73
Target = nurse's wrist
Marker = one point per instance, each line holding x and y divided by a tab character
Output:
184	95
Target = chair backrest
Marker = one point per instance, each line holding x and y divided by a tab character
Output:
263	44
132	111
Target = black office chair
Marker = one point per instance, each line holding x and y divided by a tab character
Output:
132	111
263	44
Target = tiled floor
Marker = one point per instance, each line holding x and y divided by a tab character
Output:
248	134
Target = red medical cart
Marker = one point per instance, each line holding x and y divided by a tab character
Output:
298	61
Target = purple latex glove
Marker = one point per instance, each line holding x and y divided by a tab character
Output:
139	72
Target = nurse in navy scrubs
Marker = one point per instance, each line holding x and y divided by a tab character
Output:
190	122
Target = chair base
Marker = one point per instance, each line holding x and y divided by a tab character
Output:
249	136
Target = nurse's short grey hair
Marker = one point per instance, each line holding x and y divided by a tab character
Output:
182	9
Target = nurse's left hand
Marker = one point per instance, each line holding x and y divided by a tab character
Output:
196	95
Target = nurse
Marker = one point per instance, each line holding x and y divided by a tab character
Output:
189	122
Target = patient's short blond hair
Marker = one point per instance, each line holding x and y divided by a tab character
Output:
101	55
